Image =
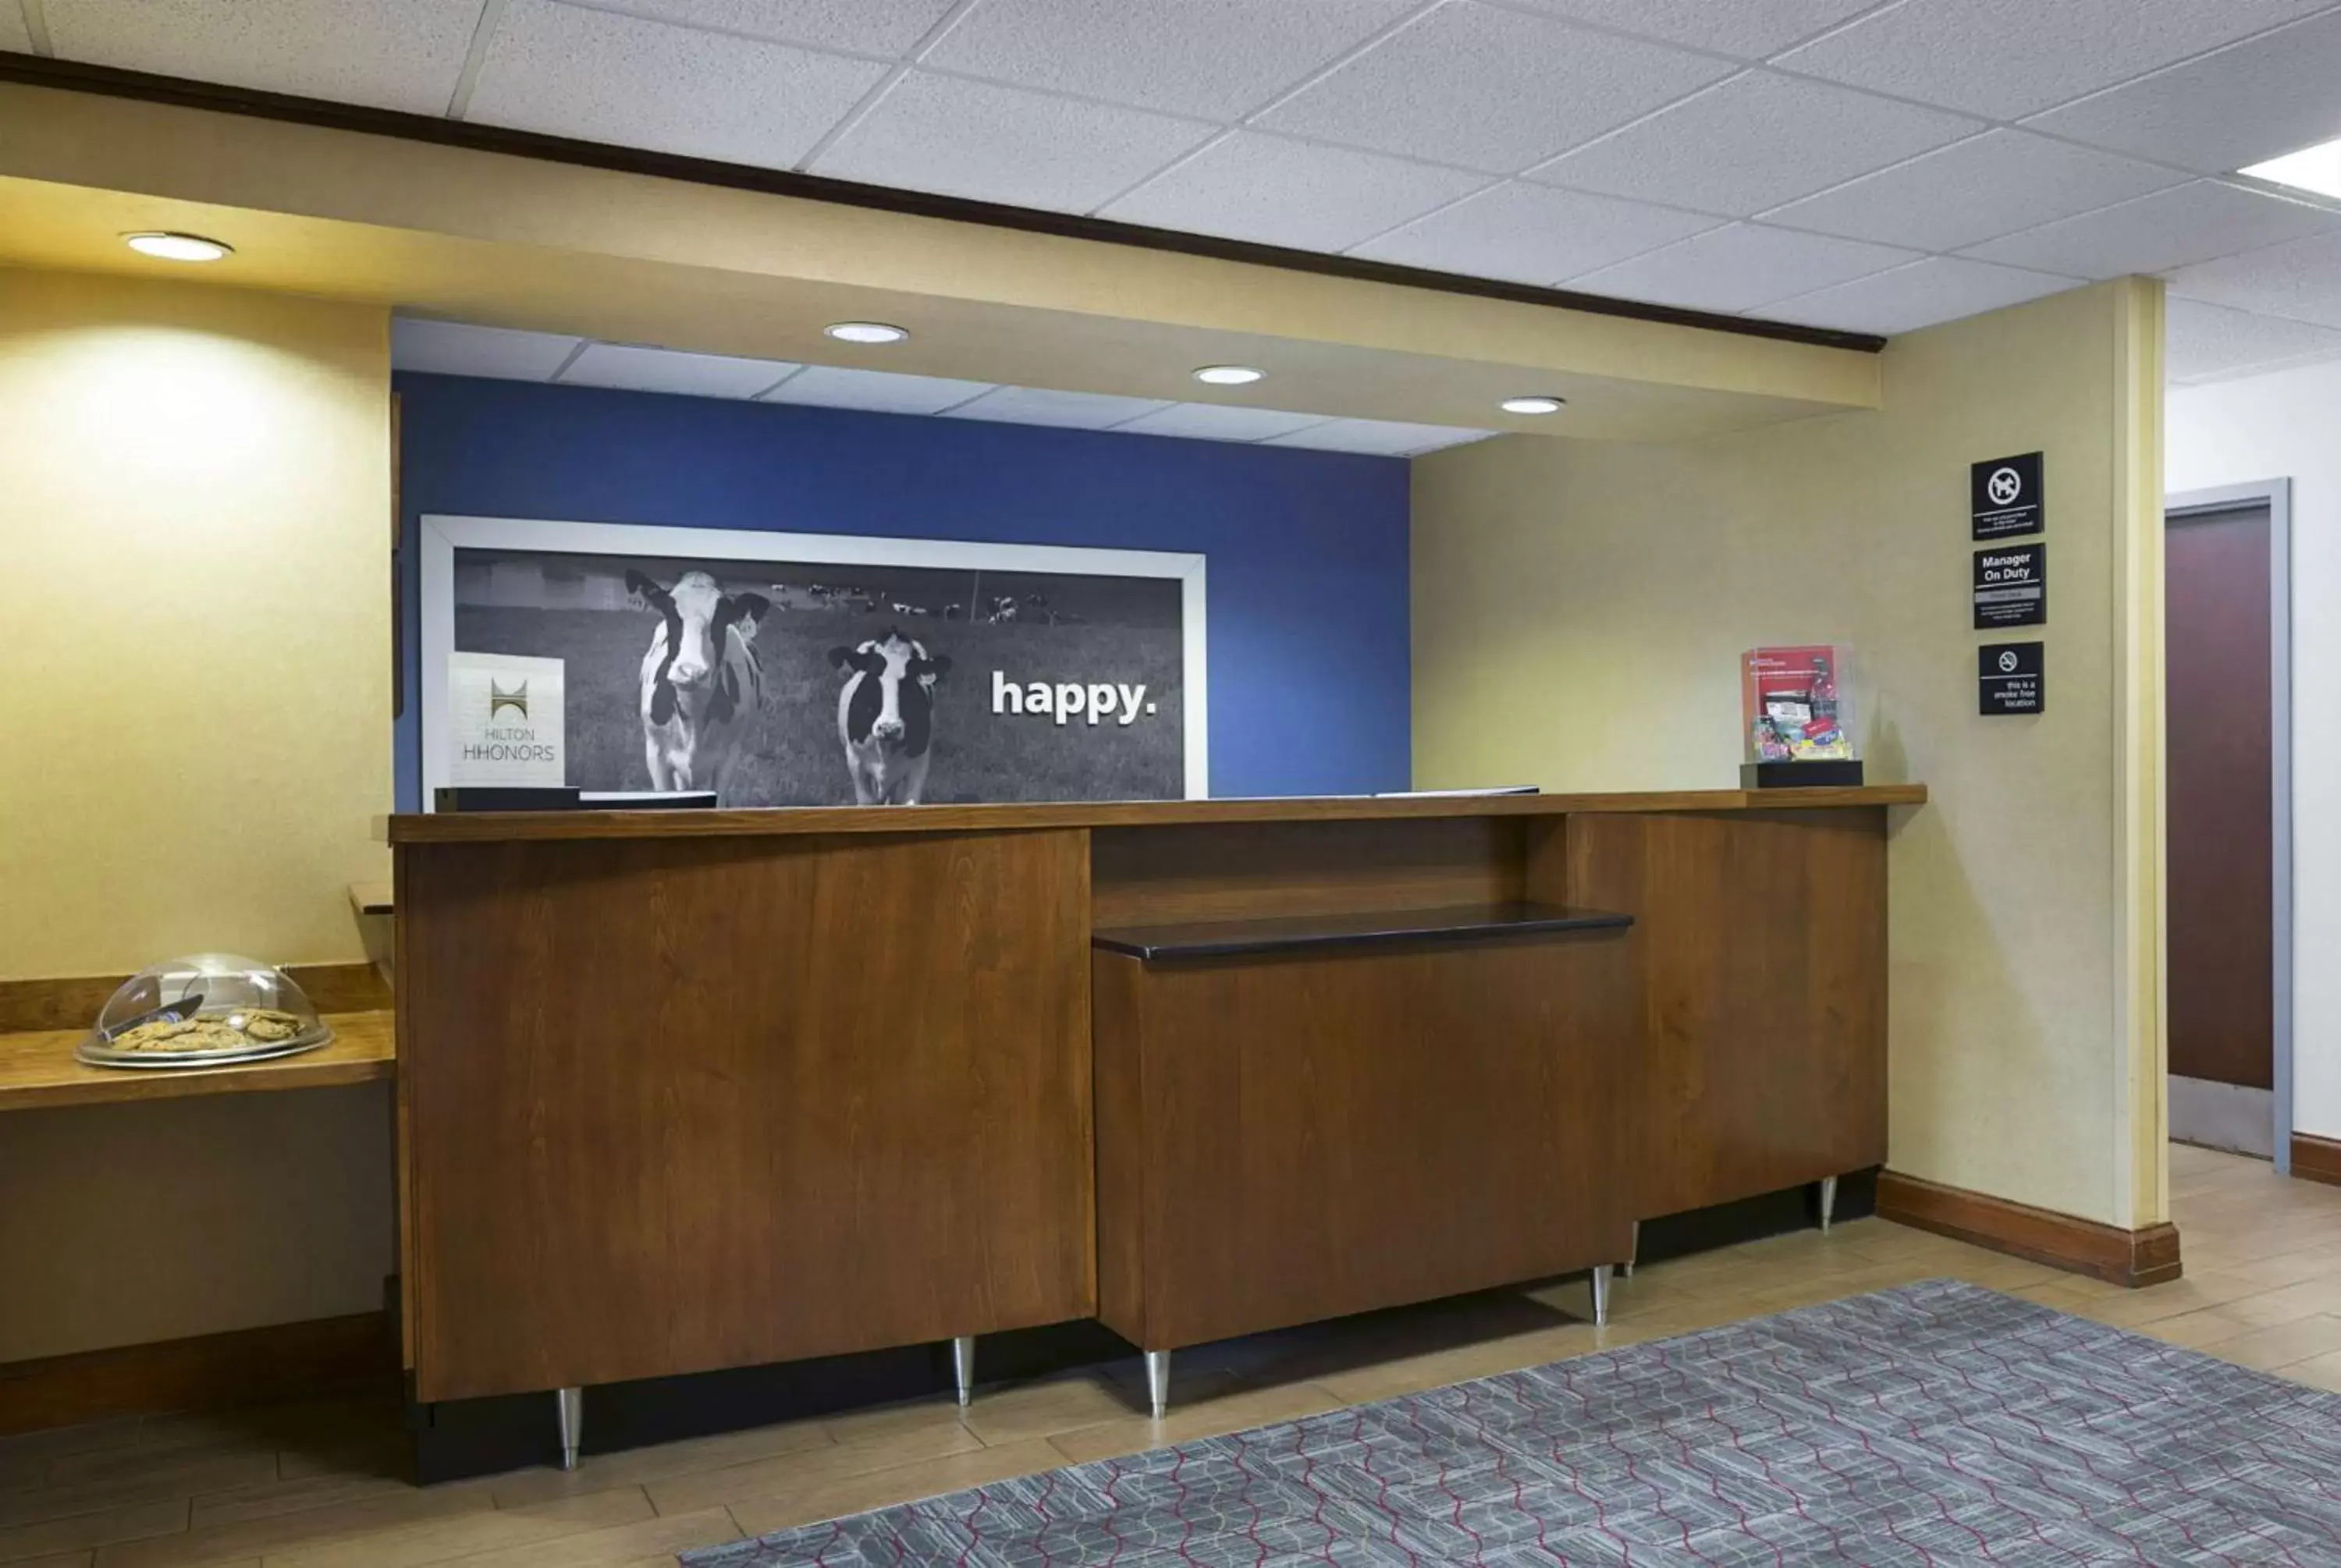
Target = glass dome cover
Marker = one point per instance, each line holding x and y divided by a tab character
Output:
202	1010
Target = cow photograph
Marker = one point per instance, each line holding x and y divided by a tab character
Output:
807	683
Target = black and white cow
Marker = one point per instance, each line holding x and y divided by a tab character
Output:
886	717
699	676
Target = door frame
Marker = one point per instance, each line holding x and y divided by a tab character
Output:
2276	494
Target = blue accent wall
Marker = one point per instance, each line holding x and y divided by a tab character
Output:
1309	668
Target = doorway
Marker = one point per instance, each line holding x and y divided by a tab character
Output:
2227	719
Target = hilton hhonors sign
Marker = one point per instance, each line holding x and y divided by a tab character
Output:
506	713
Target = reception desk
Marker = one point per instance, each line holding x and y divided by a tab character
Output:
681	1091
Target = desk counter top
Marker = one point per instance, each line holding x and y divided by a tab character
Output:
37	1069
434	828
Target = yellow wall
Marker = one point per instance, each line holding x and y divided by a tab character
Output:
195	507
1579	609
194	495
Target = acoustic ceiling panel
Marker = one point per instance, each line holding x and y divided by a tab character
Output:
1753	143
453	349
636	369
1741	267
1975	190
1377	437
1282	192
1209	59
997	143
2007	58
2213	343
1532	234
1069	409
2300	282
1489	89
876	391
1220	421
2190	223
603	77
2230	109
1938	288
388	53
1746	29
856	26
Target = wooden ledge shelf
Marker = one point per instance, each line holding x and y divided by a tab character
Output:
37	1069
1372	928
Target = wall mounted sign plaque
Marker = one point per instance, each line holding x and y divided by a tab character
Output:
2010	680
2011	586
2005	497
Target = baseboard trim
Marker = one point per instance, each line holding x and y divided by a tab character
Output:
2316	1159
2127	1258
210	1372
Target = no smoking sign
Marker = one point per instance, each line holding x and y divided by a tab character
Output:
2009	679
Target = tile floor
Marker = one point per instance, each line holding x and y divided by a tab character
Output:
316	1486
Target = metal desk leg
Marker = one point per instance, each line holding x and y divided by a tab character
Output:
569	1404
963	1366
1828	1202
1157	1381
1601	1295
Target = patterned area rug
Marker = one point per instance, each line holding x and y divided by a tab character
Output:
1935	1424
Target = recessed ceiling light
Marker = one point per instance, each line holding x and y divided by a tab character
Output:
865	333
2316	169
1228	375
1532	404
177	247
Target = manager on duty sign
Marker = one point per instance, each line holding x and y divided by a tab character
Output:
2011	586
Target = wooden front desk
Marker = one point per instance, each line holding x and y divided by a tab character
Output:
693	1090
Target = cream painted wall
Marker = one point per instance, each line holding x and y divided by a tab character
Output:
195	505
2283	425
1579	610
196	510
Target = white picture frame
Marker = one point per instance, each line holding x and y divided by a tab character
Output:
442	534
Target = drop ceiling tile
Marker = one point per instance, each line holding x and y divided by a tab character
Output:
1532	234
1489	89
1255	187
2205	342
2301	281
570	72
1753	143
1213	59
862	26
672	370
1741	267
1000	144
2190	223
1037	406
1377	437
1750	29
2008	58
1936	289
453	349
879	391
2250	102
1220	421
13	33
1975	190
390	53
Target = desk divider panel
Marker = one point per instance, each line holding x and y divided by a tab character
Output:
1239	870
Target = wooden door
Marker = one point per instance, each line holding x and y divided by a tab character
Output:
2220	823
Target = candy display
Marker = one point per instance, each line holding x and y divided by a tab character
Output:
1795	705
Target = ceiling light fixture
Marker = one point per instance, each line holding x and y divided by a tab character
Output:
2316	169
170	247
1539	404
865	333
1229	375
